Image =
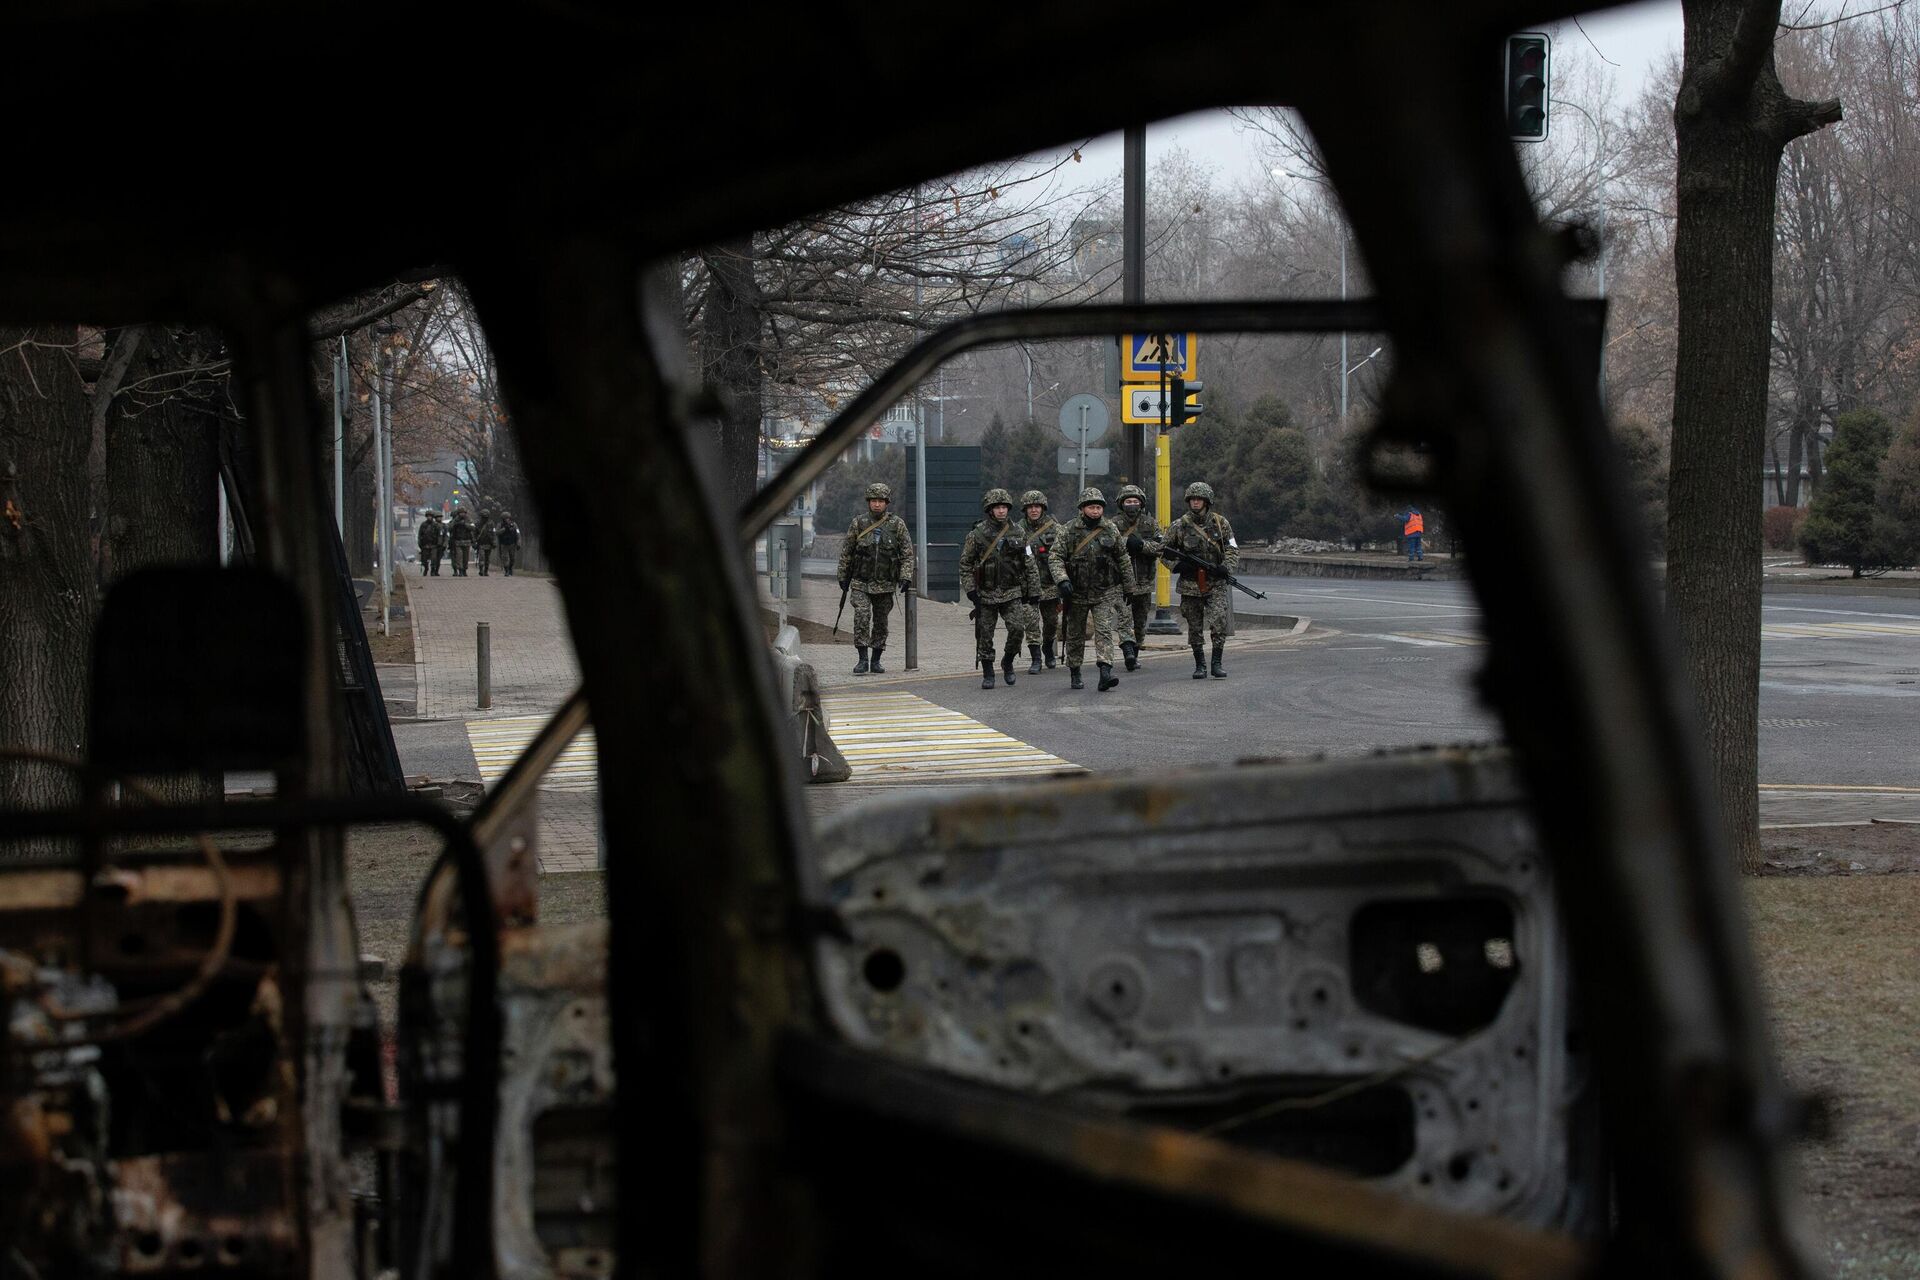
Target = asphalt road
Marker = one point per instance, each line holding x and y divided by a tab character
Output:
1392	664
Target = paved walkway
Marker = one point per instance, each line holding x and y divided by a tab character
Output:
533	670
533	664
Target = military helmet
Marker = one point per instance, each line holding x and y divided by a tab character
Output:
506	515
881	491
1132	491
1091	494
433	515
1033	498
1200	489
996	497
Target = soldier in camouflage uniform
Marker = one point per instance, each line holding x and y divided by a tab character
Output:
1203	532
1142	533
1042	620
1091	569
483	540
508	534
460	538
430	538
876	560
1000	575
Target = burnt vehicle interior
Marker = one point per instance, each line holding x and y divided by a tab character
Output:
1444	1013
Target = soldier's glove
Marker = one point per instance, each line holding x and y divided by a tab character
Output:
906	586
974	596
1136	546
1065	588
845	583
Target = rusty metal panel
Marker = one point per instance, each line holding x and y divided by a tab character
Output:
1356	962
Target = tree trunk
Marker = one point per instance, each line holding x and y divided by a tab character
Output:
163	464
46	568
731	327
361	500
1731	122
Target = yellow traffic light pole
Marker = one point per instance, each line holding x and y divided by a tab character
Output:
1163	505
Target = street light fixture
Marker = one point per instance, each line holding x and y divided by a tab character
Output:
1344	371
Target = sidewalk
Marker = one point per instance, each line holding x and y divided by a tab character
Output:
534	671
533	663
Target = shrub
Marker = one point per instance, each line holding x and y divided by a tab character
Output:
1778	526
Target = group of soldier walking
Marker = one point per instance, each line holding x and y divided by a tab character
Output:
460	538
1094	573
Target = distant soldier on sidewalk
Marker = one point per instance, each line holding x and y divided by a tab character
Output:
508	535
460	538
998	572
483	539
1205	533
1091	568
431	539
1142	533
876	560
1043	619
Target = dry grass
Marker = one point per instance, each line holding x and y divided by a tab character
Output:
1840	961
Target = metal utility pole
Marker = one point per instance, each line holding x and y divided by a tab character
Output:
383	524
340	389
1343	333
1134	261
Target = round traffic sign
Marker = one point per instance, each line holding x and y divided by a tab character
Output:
1084	410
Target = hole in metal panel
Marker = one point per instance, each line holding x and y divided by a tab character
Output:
1393	945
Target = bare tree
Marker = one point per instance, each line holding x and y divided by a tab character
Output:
1732	119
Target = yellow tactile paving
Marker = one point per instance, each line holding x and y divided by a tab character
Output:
498	743
901	735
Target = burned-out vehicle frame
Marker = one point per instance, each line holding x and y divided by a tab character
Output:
1448	1013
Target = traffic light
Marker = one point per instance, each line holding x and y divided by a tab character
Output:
1527	86
1182	410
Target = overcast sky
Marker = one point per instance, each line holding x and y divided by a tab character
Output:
1636	37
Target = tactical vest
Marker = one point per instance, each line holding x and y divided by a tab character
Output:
877	551
1003	559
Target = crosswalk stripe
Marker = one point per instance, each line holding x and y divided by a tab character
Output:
902	735
498	743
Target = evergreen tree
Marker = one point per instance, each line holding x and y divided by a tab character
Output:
1897	496
1840	527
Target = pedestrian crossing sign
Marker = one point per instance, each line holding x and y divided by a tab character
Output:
1147	356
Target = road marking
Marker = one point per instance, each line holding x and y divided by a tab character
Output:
1400	639
1445	637
1838	787
1836	630
498	743
1849	613
903	736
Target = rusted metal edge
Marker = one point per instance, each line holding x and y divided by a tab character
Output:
1288	1194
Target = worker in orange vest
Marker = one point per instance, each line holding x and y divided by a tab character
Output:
1412	532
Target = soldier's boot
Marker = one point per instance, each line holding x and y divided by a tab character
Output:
860	668
1006	663
1107	679
1033	651
1219	649
1048	654
1075	673
1132	651
877	669
1199	662
986	673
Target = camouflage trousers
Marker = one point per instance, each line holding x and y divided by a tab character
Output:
1140	605
460	557
1012	613
1206	613
484	555
1042	623
870	610
1107	618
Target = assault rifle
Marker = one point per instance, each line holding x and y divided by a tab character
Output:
845	587
1216	572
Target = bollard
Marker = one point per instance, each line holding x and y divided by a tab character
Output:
910	619
483	647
